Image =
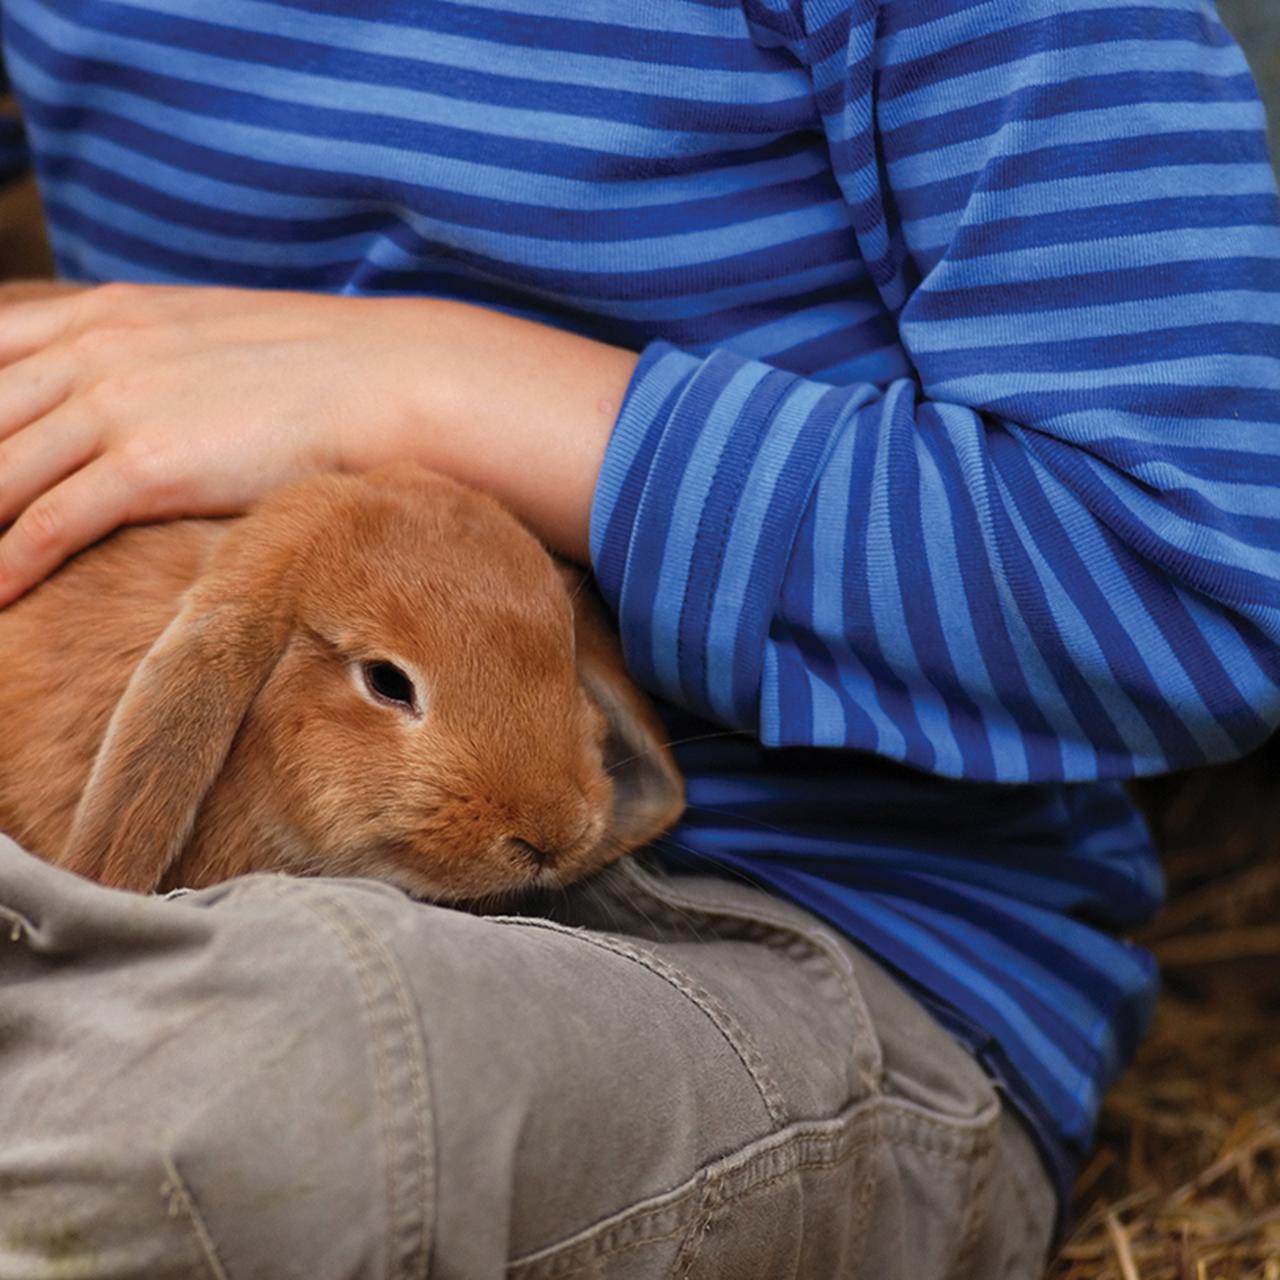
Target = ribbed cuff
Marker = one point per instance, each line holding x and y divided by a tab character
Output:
711	464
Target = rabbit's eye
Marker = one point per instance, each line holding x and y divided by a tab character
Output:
388	683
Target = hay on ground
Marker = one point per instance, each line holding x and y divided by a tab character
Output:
1185	1183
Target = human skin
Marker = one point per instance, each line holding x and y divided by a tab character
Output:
122	404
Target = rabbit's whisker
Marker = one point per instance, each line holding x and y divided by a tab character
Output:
674	742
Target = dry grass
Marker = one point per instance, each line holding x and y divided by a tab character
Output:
1185	1184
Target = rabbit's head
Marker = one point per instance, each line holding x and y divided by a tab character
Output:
382	675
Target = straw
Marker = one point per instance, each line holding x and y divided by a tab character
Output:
1185	1183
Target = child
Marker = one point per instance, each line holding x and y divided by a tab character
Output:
907	372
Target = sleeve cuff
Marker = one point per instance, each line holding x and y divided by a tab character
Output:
704	483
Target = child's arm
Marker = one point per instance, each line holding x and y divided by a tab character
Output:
131	403
1050	551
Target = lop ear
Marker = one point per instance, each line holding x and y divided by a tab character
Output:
648	790
172	731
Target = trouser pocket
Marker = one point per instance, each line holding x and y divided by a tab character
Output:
891	1156
768	964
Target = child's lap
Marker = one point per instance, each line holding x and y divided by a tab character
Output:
322	1078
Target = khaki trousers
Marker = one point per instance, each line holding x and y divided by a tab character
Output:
673	1076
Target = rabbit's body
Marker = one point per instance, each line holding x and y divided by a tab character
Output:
381	675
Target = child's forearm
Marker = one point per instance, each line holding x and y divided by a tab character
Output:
518	409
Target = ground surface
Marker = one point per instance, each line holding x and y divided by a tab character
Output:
1185	1184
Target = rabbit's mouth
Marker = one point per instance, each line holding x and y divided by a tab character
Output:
404	867
418	885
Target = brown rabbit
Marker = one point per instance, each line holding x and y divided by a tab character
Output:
382	675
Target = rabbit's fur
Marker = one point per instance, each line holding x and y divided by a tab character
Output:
186	702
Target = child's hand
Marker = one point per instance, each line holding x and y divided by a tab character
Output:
129	403
123	403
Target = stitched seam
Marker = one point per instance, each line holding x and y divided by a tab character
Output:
691	1245
734	1034
362	967
981	1169
909	1118
1023	1196
702	1185
802	1148
417	1085
801	1166
570	1256
818	945
420	1100
862	1208
573	1256
180	1199
361	942
669	899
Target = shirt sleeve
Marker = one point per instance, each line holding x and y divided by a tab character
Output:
1053	551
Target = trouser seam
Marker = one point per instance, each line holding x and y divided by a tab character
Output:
181	1200
982	1166
691	1205
407	1251
730	1029
803	1147
691	1245
763	928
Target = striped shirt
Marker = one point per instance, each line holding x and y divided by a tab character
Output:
949	472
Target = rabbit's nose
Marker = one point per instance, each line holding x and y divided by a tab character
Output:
527	852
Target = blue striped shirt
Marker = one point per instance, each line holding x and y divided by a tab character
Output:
949	472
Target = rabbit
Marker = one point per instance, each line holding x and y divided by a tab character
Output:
382	675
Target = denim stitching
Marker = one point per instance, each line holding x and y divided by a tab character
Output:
344	923
1036	1246
419	1100
361	967
734	1033
180	1199
691	1245
801	1148
906	1122
978	1209
815	943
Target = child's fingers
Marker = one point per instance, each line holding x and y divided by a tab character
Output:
86	506
40	456
31	388
29	325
